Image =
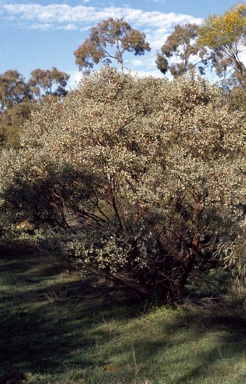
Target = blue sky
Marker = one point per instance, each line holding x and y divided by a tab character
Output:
44	34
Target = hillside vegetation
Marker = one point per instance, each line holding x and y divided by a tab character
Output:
139	181
123	237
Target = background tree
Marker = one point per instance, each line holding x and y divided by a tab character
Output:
48	82
15	106
110	33
141	179
217	43
180	53
19	98
13	89
12	121
225	36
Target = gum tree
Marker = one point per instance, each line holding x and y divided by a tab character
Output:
19	98
13	89
217	43
48	82
15	98
180	53
111	34
139	178
225	35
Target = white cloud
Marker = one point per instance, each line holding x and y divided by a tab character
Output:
75	78
136	63
68	27
242	54
156	25
53	13
58	14
41	26
48	26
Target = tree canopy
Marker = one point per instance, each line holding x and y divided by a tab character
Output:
13	89
140	178
180	53
219	41
48	82
18	98
226	35
110	33
217	44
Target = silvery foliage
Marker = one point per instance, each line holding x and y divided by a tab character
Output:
143	175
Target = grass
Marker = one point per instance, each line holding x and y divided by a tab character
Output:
48	331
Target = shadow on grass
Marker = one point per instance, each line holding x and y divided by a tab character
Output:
39	315
215	334
46	328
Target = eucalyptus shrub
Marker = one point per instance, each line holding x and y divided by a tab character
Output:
139	177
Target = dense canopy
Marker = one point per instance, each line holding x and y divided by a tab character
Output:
145	176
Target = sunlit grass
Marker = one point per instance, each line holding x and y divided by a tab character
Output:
48	330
